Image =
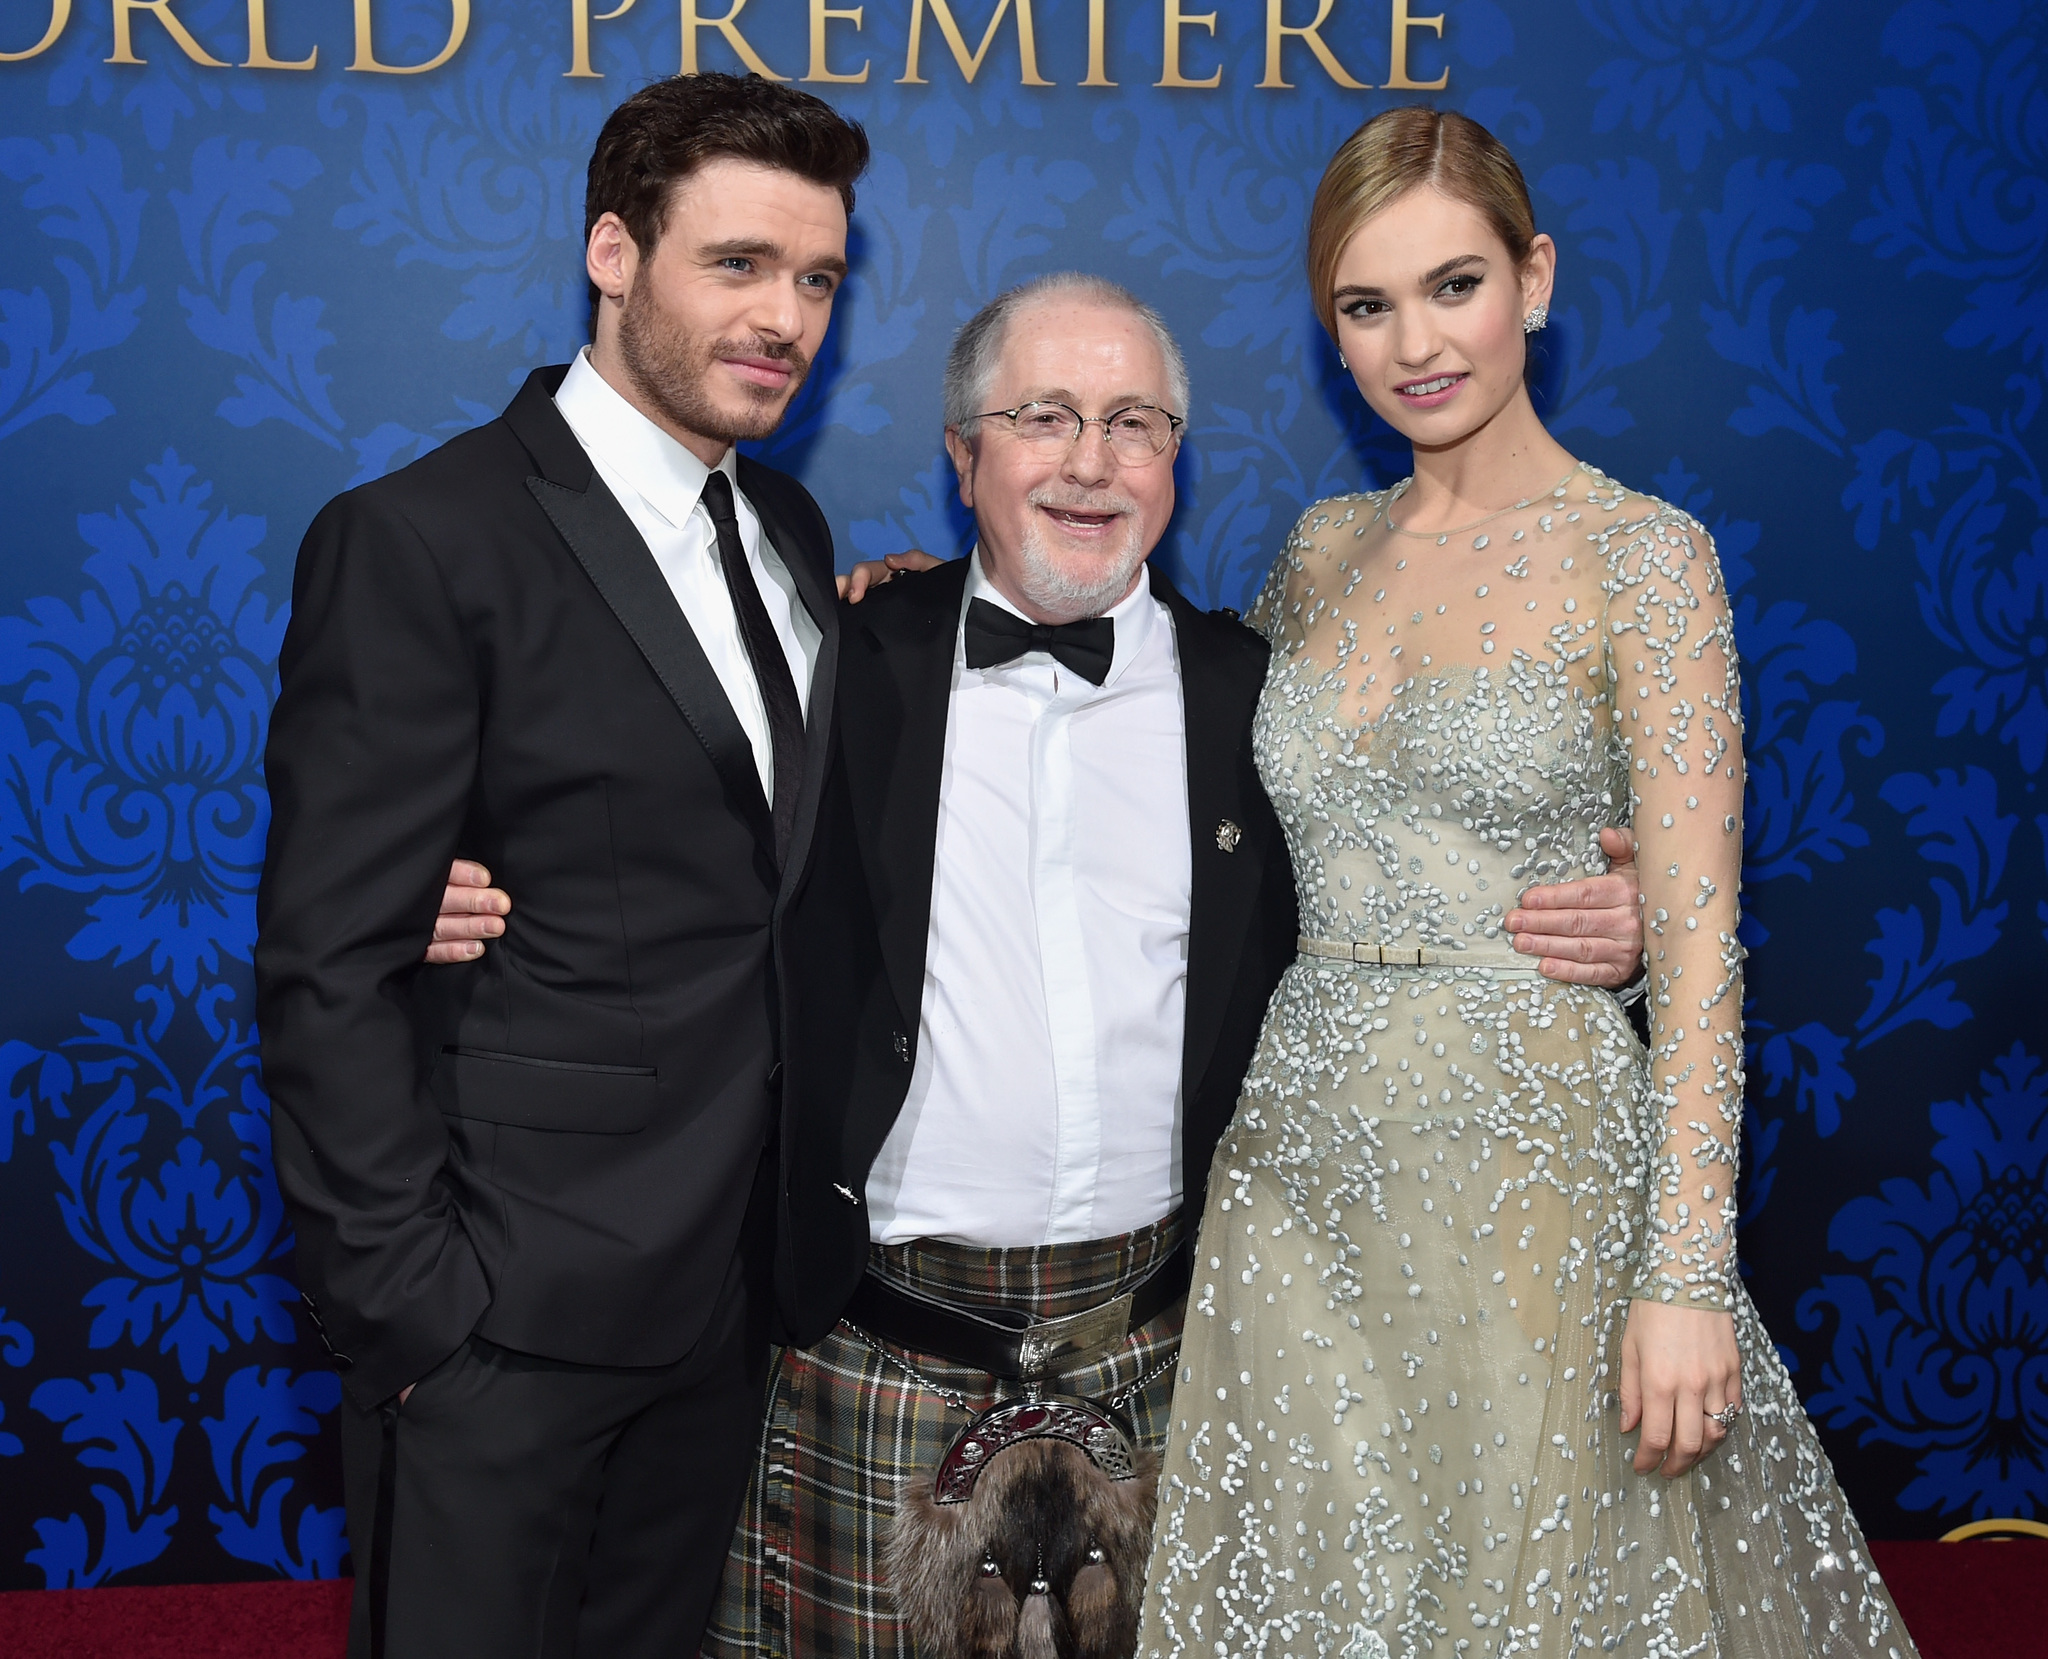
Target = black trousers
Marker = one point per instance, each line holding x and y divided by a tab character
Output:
517	1506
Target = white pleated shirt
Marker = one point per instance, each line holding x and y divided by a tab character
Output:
1044	1107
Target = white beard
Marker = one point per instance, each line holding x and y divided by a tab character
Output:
1069	594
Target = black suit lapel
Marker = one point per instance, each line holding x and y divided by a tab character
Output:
809	566
612	553
896	679
1219	688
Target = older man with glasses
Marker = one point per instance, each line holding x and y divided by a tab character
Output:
1031	969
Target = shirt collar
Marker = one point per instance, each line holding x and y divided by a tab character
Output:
668	477
1136	615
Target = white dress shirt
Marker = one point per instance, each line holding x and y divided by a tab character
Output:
1044	1107
658	482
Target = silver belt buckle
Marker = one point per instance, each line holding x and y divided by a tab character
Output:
1064	1344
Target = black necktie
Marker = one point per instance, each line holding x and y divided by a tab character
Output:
996	636
764	651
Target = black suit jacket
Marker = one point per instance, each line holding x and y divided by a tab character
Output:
552	1147
861	926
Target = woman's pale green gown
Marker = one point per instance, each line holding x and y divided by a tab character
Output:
1396	1426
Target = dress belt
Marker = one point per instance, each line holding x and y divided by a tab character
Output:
1009	1344
1412	956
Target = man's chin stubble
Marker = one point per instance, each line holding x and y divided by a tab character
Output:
678	391
693	412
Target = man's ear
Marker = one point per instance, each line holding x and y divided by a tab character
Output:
962	453
610	257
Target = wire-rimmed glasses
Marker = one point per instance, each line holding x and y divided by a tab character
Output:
1136	434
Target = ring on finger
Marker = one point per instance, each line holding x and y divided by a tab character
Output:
1727	1414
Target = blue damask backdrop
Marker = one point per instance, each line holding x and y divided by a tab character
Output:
1804	292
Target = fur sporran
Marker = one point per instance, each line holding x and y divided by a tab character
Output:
1028	1540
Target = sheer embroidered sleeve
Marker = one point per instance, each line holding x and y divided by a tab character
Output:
1671	655
1278	599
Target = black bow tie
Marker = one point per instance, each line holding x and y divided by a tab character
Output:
996	636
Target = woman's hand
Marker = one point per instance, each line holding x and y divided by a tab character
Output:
872	573
472	910
1677	1365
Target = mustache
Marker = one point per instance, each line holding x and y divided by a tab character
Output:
784	351
1082	501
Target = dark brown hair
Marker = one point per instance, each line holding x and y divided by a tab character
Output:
665	132
1392	154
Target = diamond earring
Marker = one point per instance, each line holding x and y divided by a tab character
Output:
1536	319
1342	364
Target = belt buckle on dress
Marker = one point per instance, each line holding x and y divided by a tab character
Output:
1060	1344
1384	956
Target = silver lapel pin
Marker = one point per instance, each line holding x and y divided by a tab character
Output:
1228	835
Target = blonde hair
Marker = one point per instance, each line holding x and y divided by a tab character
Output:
1396	152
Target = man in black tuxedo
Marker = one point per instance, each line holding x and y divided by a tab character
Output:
1074	901
534	1194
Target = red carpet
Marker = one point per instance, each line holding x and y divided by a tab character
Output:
1980	1600
1961	1601
278	1619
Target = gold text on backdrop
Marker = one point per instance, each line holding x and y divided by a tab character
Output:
1169	72
580	19
1027	42
821	14
124	39
728	25
60	14
1338	25
1308	34
366	59
259	44
1397	60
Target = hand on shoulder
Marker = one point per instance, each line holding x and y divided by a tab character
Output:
874	573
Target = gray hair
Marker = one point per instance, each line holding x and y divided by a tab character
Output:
978	348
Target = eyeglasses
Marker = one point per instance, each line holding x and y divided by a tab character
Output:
1135	435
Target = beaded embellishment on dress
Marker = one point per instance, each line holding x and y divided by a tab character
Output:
1395	1420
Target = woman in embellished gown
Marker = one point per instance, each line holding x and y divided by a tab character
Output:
1469	1369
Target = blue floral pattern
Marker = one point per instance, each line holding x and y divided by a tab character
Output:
1940	1342
191	1244
1803	294
252	1440
136	735
1690	69
78	184
116	1421
1962	196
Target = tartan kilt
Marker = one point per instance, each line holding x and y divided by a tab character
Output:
845	1427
